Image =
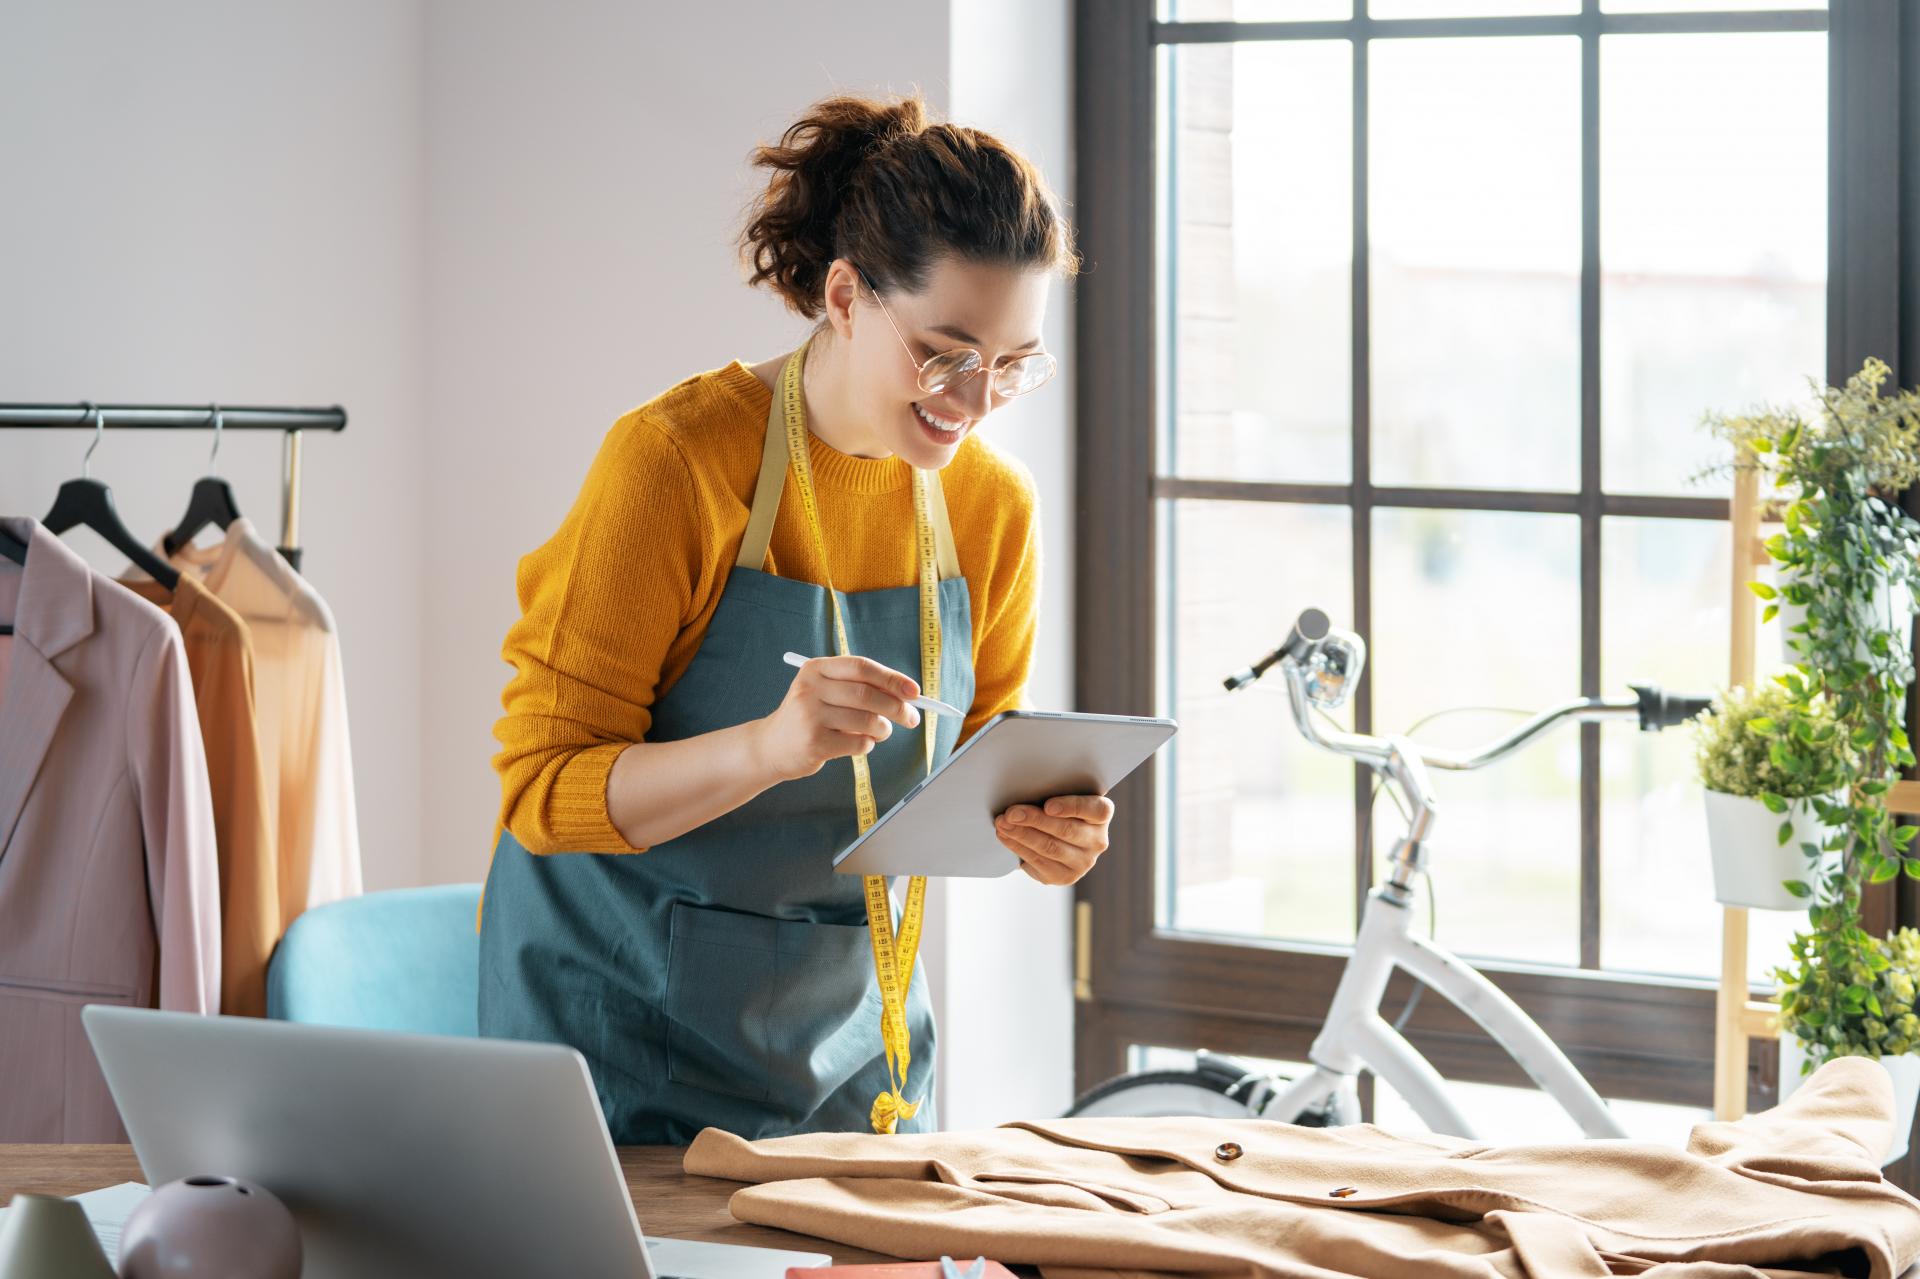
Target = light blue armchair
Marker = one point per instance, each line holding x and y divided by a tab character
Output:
404	959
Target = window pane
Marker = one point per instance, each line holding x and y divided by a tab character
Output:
1713	241
1482	609
1263	836
1528	1116
1467	8
1665	585
1703	6
1475	260
1262	218
1291	10
1255	10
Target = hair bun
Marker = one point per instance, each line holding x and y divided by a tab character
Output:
875	182
790	238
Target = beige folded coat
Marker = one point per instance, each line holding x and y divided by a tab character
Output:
1794	1189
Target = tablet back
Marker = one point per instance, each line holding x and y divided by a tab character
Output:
944	826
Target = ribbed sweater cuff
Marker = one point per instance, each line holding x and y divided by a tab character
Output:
577	805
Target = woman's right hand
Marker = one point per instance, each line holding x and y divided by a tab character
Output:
836	706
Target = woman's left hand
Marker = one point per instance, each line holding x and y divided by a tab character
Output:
1058	843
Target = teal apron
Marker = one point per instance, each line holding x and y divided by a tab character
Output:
725	978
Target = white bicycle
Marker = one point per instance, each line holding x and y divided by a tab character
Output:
1321	667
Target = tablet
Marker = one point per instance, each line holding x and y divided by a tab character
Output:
944	825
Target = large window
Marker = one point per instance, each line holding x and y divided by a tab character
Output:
1411	309
1471	340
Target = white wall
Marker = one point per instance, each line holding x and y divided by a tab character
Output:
216	199
1004	947
488	227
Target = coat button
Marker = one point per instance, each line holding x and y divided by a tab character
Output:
1227	1151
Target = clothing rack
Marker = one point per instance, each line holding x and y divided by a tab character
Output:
290	422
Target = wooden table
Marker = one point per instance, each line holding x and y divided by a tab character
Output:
671	1204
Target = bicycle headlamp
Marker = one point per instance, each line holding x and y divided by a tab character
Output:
1333	666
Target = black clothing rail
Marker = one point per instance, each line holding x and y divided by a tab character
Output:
291	422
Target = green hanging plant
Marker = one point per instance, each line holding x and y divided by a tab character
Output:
1862	1010
1851	558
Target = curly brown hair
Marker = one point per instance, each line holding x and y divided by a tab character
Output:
876	183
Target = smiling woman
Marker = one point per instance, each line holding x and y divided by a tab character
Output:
868	200
728	977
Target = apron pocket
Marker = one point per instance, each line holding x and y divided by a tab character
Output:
769	1010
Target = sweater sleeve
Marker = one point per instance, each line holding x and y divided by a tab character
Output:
1003	650
601	602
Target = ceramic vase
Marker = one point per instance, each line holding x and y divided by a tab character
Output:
210	1228
1886	612
1750	864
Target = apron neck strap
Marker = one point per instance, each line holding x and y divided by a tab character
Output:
772	482
766	493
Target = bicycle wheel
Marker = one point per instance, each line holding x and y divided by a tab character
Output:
1216	1087
1148	1094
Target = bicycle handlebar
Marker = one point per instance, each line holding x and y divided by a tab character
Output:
1660	709
1308	629
1587	710
1652	707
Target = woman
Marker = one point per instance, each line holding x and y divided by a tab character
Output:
835	502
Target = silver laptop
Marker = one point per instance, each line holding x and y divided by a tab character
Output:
402	1156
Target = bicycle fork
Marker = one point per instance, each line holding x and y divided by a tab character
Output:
1356	1037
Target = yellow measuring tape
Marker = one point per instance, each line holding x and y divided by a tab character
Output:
893	956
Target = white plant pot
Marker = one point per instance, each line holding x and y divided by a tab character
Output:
1750	864
1903	1070
1886	612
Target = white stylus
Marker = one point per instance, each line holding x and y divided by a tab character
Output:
933	704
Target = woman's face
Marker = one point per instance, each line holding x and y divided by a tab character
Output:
996	310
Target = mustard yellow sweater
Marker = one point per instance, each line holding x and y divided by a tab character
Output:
615	604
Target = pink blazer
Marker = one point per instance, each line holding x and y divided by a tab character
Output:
108	872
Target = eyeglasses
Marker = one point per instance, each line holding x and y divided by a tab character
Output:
949	369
